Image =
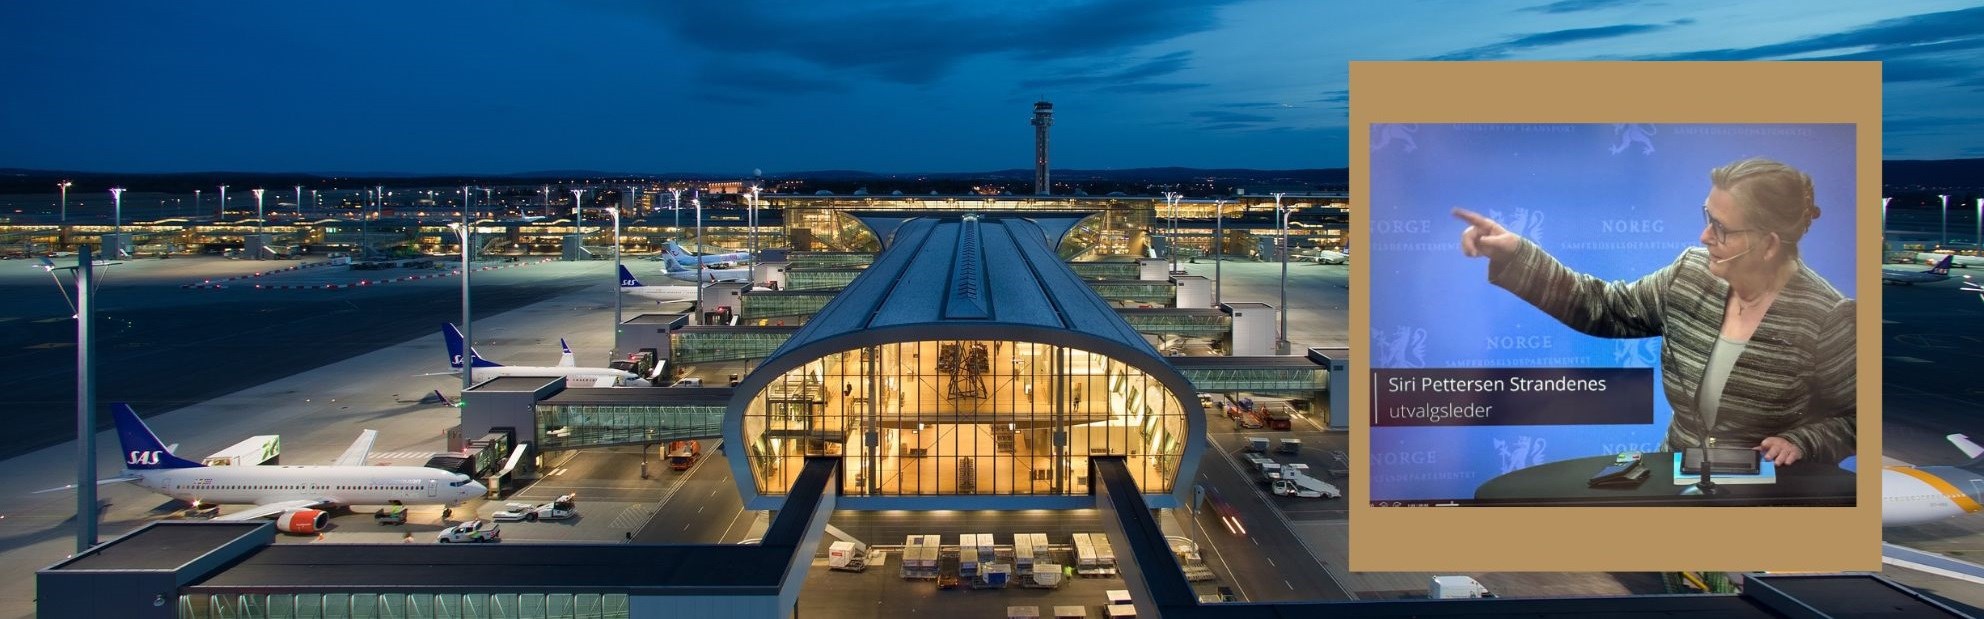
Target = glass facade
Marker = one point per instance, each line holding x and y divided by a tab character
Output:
403	606
964	417
706	344
575	426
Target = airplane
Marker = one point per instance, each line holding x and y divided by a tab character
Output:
1970	286
677	270
1896	275
661	294
1324	256
679	256
1912	495
298	496
1958	260
567	366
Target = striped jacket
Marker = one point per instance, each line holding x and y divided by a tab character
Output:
1795	379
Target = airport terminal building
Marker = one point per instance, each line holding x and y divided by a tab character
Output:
968	368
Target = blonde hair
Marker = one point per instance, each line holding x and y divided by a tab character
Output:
1775	197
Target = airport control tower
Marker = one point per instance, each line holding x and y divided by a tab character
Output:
1043	117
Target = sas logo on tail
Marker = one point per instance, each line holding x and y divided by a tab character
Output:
143	458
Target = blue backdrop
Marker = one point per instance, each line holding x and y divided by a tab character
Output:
1617	201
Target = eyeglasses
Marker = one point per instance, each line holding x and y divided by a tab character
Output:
1718	232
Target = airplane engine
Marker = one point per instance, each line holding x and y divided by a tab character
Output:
303	521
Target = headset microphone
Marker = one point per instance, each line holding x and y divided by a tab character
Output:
1738	255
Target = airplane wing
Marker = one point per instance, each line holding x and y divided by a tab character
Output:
1931	563
100	482
602	381
355	454
271	509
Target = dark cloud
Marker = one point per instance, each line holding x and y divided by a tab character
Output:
1155	87
1574	6
1222	116
1886	36
1338	97
1229	126
1106	76
1494	51
920	42
755	77
1258	105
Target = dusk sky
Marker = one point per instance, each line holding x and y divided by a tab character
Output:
884	86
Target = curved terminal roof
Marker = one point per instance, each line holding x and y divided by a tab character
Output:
990	272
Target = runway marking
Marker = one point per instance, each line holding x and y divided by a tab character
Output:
700	509
1290	587
1270	561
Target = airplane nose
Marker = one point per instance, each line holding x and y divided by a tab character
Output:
475	489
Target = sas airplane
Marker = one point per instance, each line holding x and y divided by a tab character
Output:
1897	275
297	496
682	257
660	294
1958	260
567	366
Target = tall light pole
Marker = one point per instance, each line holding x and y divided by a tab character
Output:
86	507
1977	241
1946	221
117	210
614	352
697	200
196	202
579	218
1281	344
544	200
64	186
1171	233
258	210
466	235
299	200
86	513
1218	247
677	192
223	201
754	234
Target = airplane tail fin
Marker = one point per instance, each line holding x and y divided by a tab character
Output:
627	279
1968	447
1943	268
567	359
142	449
456	346
673	264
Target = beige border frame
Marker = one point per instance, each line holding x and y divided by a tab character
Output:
1622	538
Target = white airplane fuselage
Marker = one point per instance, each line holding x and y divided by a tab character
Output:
573	373
340	485
1918	495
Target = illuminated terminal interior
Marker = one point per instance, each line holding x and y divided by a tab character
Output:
964	417
967	365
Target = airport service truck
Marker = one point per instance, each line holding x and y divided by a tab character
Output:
1454	587
1295	481
683	454
264	449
